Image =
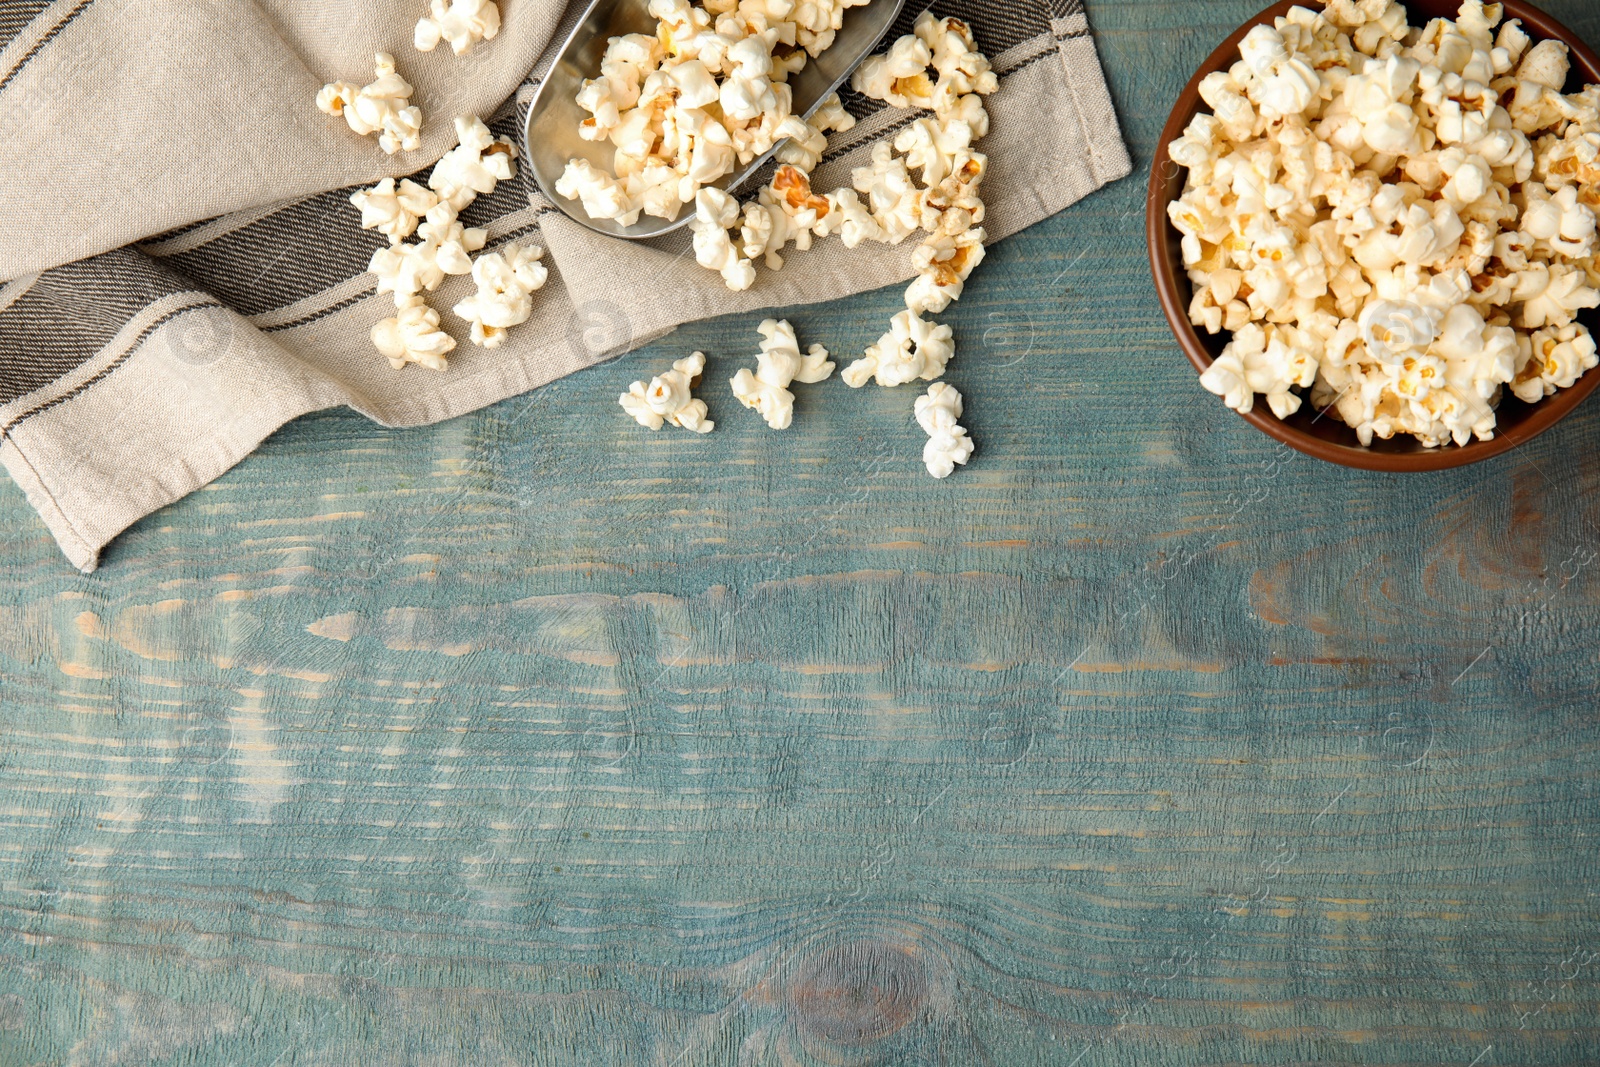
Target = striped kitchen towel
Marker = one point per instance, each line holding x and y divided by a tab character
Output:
181	271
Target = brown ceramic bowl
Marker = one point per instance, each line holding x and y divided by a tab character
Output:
1325	437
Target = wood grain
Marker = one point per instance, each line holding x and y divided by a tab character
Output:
534	738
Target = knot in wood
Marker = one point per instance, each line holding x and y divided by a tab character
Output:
859	992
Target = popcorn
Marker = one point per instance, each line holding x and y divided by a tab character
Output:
601	195
914	349
819	21
787	211
408	271
805	145
1226	378
892	197
756	138
1557	359
655	102
599	99
1226	97
715	212
1400	224
1560	221
1379	25
948	444
1270	361
1284	84
382	107
854	224
963	70
1478	358
450	243
394	211
1557	301
681	25
945	262
477	163
711	88
463	23
506	283
933	147
695	84
953	205
1380	100
628	60
747	92
830	116
669	398
413	336
710	152
779	366
899	77
1546	64
1391	328
707	93
1574	159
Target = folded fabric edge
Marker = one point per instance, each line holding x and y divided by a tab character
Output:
83	539
82	546
87	519
78	549
182	393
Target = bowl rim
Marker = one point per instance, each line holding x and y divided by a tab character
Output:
1160	235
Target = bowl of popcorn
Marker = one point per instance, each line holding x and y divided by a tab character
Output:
1373	227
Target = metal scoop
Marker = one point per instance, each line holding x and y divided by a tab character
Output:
553	120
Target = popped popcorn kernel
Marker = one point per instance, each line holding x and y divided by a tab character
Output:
779	366
382	107
669	398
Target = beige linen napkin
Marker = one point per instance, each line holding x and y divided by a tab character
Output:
185	273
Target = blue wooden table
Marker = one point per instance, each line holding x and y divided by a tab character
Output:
535	738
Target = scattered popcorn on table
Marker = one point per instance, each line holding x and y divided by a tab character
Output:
506	282
913	350
709	91
779	366
948	444
1398	224
383	107
461	23
669	398
414	336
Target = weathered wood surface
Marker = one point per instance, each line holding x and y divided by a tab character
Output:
536	738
